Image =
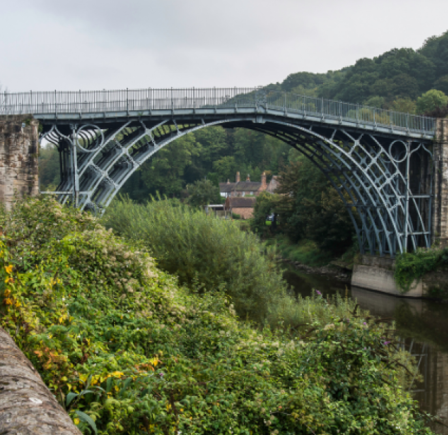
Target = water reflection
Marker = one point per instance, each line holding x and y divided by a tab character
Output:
421	324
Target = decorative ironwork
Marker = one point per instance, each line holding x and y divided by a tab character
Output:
379	161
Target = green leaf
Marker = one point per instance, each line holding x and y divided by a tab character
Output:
70	397
83	416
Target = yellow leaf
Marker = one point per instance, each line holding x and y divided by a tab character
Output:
76	420
9	269
83	378
7	292
154	361
8	301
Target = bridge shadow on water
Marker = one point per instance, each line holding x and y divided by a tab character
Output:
421	326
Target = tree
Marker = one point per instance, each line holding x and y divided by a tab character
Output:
48	168
430	101
405	105
375	101
202	193
442	84
265	205
164	172
309	208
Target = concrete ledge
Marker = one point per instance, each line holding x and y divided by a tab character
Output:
381	280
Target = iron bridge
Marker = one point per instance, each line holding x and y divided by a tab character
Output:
380	162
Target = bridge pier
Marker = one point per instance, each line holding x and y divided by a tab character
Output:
440	209
19	138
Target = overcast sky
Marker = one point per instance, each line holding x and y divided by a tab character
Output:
107	44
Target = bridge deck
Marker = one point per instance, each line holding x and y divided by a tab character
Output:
106	106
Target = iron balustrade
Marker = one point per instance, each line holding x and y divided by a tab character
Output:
127	100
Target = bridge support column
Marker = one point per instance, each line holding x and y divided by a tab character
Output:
19	138
440	209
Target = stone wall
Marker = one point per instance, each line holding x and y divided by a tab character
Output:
440	210
18	157
377	273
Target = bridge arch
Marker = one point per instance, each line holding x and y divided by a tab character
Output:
370	173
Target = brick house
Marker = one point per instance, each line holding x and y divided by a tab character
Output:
241	195
241	206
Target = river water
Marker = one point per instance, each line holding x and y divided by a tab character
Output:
422	326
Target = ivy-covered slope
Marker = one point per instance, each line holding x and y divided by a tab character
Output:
126	350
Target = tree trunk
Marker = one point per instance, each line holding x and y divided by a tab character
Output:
27	407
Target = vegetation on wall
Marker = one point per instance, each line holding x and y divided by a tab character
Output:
410	267
126	350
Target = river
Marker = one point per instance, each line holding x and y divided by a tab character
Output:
422	326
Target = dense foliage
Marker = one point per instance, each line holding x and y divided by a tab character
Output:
201	248
203	192
306	207
126	350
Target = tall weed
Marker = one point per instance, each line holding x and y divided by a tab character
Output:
203	249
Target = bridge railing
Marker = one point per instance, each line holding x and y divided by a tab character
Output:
82	102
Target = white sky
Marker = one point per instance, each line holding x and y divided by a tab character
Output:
114	44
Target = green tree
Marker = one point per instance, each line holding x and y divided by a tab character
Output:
164	172
431	100
265	205
405	105
203	192
309	208
442	84
375	101
48	168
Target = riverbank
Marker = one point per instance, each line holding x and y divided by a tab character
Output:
332	270
306	257
420	325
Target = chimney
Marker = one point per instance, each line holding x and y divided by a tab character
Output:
238	177
228	181
248	177
263	181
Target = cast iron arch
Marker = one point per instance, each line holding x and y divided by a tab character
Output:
364	169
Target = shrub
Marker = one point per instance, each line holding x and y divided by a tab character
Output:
430	101
126	351
203	249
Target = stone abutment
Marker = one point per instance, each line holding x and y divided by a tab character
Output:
19	145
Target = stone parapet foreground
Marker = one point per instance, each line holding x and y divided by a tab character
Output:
27	406
19	139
